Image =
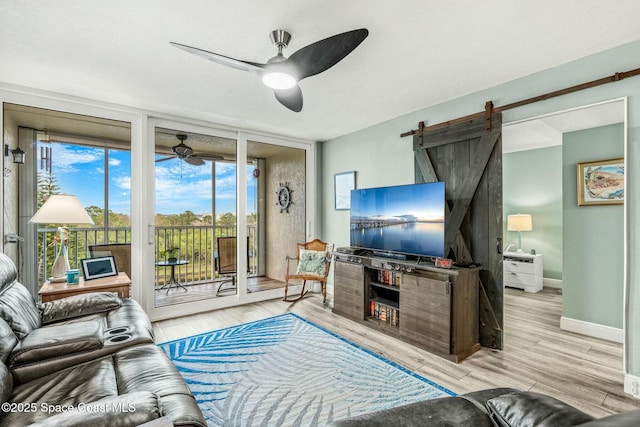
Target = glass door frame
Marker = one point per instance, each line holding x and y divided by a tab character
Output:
147	205
67	104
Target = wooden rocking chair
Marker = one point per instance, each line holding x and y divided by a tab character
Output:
313	262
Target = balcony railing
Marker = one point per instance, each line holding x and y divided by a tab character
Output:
195	243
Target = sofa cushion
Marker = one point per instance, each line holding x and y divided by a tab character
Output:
8	271
131	409
522	408
19	309
57	341
441	412
625	419
86	382
78	305
6	383
147	367
8	341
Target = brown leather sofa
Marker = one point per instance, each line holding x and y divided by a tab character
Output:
84	360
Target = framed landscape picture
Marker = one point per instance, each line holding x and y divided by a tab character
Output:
343	184
601	182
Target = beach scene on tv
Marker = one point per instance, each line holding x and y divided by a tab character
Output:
405	219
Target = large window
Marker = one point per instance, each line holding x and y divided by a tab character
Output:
101	180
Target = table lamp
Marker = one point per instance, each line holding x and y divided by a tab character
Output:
519	223
61	209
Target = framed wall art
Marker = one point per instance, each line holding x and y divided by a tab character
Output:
601	182
343	184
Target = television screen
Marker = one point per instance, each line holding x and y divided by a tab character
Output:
406	219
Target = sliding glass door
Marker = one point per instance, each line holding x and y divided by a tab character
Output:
217	233
195	217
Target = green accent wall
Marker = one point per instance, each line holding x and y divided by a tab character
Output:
593	279
381	157
532	184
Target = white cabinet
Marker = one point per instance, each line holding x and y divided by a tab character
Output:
522	270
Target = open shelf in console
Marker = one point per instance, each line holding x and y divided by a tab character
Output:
385	286
383	295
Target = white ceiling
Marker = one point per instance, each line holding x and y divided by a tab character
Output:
546	131
418	53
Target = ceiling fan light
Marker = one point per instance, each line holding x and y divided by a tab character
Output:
278	80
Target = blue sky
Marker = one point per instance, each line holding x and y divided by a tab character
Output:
423	201
179	186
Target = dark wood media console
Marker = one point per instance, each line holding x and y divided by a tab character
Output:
429	307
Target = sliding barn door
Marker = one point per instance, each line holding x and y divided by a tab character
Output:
468	158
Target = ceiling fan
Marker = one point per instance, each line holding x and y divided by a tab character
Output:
184	152
283	74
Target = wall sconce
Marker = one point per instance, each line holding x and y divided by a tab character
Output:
17	155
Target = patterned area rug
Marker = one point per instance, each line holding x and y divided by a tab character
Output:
287	371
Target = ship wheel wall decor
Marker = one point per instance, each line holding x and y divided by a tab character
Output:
284	197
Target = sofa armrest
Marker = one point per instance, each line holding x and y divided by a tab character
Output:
78	305
130	409
57	340
525	408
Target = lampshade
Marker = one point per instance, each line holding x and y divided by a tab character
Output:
519	222
61	209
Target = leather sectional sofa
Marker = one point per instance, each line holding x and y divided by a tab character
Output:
496	407
85	360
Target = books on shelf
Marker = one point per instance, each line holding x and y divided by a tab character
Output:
389	277
385	313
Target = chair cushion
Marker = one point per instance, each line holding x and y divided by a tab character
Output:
19	309
522	408
311	262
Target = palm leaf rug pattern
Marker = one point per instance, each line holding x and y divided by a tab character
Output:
287	371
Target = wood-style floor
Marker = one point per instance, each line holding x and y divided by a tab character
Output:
177	295
582	371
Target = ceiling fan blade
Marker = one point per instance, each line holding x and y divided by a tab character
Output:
324	54
208	156
290	98
165	159
194	161
221	59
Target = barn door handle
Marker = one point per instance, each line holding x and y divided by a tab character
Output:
499	245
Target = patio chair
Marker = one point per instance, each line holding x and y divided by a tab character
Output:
313	262
121	253
227	265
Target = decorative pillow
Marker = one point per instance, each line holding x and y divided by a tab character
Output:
526	408
311	262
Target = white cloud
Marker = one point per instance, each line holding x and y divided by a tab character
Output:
123	182
66	158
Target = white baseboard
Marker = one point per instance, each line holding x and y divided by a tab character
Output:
632	385
592	329
552	283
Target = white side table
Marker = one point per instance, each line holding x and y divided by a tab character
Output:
522	270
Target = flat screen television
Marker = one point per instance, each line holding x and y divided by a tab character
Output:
402	219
